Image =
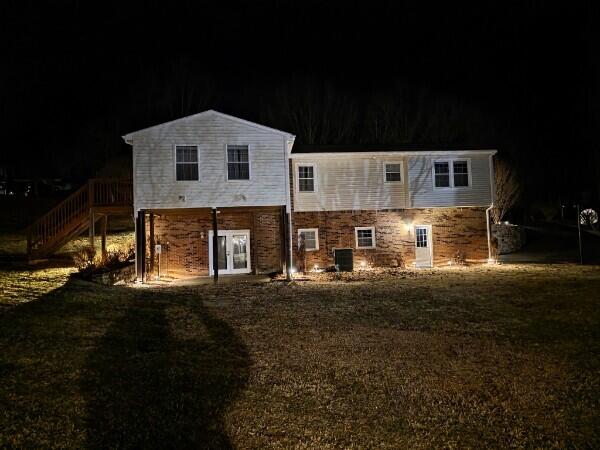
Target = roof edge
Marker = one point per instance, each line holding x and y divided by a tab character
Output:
129	136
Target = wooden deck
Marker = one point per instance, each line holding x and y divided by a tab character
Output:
95	200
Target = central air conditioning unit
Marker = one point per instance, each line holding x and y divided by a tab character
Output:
343	259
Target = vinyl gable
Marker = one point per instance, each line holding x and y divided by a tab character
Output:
154	159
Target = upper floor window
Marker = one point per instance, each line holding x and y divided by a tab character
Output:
310	236
306	178
451	173
365	237
238	162
460	171
186	162
393	172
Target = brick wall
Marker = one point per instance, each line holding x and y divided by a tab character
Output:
453	229
184	239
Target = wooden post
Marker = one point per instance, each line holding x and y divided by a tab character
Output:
152	244
92	231
215	246
29	243
103	226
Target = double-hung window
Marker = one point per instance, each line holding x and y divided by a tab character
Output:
365	237
393	172
310	237
238	162
186	162
454	173
306	178
460	173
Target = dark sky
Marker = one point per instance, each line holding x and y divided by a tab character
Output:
75	77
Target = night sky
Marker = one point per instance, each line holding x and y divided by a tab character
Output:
518	76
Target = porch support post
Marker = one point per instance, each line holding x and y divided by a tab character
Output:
140	248
103	226
152	249
288	245
215	246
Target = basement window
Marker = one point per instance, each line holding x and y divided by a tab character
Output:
311	238
186	162
365	237
238	162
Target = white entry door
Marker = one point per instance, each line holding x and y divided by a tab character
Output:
423	248
234	251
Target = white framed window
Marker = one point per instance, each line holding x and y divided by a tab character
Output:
186	163
452	173
365	237
238	162
392	172
306	177
311	238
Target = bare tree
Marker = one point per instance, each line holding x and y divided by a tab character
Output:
316	111
508	190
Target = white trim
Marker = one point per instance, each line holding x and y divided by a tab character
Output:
175	162
451	162
231	270
357	229
393	153
129	136
316	231
297	178
249	164
429	241
385	164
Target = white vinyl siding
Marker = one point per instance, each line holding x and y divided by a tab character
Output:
311	238
155	184
424	193
349	183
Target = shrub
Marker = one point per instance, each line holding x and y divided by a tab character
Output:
459	258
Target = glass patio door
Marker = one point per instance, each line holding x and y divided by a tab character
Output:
234	251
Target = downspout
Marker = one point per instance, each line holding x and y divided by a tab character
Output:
488	210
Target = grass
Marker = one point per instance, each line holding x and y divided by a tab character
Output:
505	356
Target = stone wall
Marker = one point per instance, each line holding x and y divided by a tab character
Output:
510	237
125	274
453	230
184	239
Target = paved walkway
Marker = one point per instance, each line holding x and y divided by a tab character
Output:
553	245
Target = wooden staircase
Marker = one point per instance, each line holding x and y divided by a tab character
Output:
78	213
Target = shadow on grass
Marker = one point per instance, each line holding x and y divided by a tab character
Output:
146	387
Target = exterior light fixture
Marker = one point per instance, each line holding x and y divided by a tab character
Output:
363	264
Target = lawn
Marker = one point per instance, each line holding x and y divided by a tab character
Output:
491	356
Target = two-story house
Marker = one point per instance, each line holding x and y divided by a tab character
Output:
387	204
